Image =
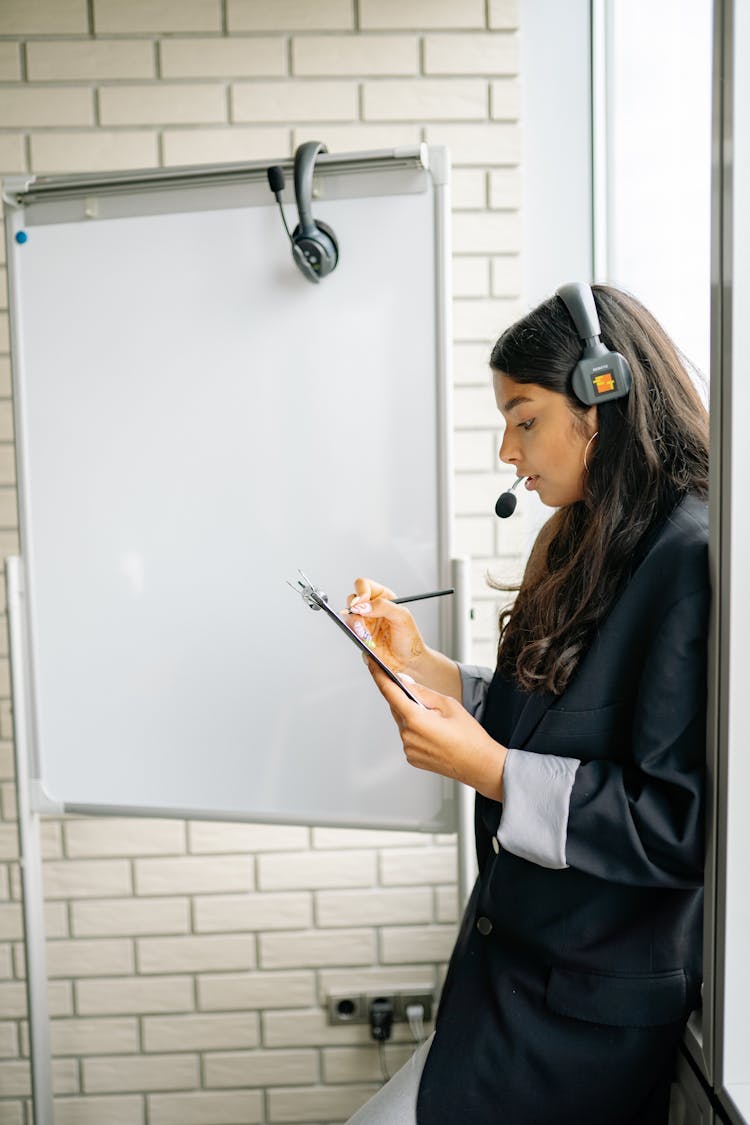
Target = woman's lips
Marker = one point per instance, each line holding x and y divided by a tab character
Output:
530	483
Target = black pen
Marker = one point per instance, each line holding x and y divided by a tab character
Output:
417	597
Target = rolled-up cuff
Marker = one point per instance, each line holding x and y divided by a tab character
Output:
475	682
536	804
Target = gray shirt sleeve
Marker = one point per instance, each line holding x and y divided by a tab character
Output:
474	684
536	804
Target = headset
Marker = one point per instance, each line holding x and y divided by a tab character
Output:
314	245
599	375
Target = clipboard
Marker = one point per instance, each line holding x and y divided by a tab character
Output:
316	599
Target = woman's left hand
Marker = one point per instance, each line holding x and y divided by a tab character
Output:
443	737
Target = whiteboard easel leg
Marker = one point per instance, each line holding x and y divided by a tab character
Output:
29	832
467	869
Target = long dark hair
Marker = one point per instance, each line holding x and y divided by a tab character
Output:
651	450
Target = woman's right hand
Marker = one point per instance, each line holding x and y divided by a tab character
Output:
395	636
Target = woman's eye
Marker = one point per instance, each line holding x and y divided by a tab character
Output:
527	424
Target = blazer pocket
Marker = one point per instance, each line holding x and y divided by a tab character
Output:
639	1000
575	726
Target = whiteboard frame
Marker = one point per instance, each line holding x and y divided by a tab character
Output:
151	191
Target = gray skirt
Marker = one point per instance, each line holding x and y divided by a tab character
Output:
396	1102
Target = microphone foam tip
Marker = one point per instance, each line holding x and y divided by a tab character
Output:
506	505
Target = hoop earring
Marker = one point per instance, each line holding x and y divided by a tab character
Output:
588	446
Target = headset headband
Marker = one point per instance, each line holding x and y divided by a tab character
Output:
600	374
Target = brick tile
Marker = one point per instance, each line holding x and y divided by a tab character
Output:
9	1042
483	319
471	365
468	190
495	232
133	995
10	62
9	841
224	58
43	17
317	947
50	61
37	106
193	875
505	99
294	101
94	1036
194	954
421	14
252	912
505	188
215	837
126	836
417	943
201	1033
290	15
115	1074
504	14
360	136
411	867
373	907
12	1113
261	1068
224	145
317	1103
223	991
86	878
100	151
362	1064
366	838
126	1110
203	1108
181	104
476	143
143	16
471	54
427	99
130	916
300	870
355	55
471	277
309	1028
474	536
95	958
506	276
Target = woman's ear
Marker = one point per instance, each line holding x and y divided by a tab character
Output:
592	421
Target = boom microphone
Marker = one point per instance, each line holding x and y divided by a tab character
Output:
506	502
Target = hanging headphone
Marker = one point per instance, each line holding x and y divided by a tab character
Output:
314	245
599	375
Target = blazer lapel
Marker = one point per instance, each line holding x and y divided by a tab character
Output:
531	716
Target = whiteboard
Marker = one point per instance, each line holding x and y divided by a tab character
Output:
194	422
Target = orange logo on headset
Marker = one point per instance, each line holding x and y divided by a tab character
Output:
604	382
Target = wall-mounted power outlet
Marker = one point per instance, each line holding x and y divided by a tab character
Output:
354	1007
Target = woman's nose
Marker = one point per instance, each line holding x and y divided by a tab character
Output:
507	452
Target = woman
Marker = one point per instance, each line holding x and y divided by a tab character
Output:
578	959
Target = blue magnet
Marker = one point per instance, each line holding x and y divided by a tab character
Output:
22	237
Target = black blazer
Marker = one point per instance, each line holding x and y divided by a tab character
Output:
568	989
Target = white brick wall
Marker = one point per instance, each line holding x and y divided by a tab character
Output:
189	962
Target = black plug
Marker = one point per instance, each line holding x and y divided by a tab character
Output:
381	1018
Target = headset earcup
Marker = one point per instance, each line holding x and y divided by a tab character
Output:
315	252
327	240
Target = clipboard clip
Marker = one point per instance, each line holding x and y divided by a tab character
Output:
310	594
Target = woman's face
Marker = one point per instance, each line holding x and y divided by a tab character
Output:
544	439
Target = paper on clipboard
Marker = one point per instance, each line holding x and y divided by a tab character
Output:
316	599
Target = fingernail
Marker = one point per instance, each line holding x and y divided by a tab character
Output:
363	608
407	679
363	633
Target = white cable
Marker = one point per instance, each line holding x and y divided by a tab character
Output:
415	1016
